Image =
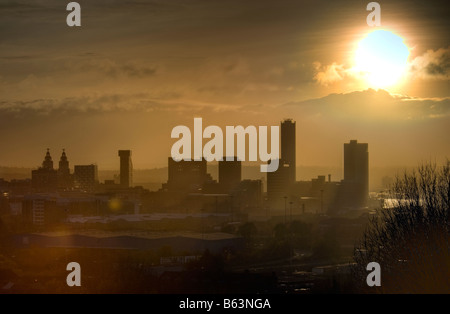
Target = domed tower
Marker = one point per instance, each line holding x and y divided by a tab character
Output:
64	177
44	179
63	164
48	162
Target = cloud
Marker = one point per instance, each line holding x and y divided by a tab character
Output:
142	102
433	64
374	105
157	102
113	69
328	74
17	58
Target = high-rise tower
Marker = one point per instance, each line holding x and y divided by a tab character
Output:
288	148
126	168
356	172
281	181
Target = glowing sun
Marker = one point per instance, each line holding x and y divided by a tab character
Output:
381	58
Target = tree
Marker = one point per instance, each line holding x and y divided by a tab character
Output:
411	240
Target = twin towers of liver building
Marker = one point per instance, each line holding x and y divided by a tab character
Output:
84	177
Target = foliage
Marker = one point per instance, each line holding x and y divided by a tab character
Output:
411	240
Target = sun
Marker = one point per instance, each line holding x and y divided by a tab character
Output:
381	58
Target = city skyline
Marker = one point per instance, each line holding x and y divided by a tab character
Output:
153	177
187	179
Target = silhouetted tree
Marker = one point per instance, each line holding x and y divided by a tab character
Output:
411	240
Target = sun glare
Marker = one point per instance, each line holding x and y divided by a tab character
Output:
381	58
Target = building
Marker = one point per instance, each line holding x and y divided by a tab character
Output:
356	174
85	177
280	183
278	186
288	147
248	195
126	168
64	177
40	210
317	195
229	174
187	175
44	179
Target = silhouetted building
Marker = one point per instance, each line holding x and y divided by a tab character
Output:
280	183
47	164
288	147
44	179
229	174
40	210
356	174
248	195
64	176
317	195
187	175
126	168
86	177
278	186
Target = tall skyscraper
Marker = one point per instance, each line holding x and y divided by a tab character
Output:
288	148
356	173
278	187
229	174
281	181
126	168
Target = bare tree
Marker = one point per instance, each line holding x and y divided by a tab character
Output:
410	240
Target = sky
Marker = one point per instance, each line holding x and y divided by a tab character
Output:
135	69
